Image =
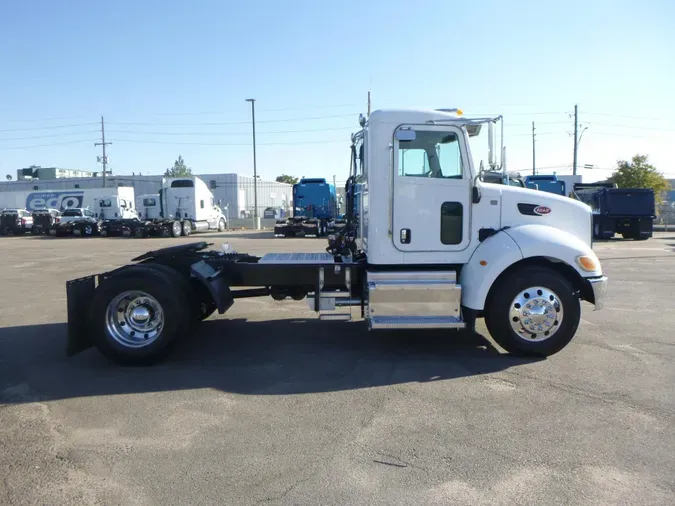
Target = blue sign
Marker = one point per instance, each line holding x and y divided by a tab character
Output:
54	200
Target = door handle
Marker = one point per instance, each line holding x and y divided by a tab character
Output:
405	236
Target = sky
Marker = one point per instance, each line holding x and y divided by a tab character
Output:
171	78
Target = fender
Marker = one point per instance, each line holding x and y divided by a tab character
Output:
497	253
554	244
511	245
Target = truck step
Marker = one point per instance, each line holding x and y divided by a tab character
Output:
342	317
415	322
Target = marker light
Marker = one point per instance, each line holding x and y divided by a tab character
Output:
587	263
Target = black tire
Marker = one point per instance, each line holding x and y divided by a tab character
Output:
87	230
499	320
171	298
186	228
176	229
138	232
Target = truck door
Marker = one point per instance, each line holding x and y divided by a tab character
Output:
431	189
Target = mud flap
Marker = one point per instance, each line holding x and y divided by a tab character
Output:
216	284
79	294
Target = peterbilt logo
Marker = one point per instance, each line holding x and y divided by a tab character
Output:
54	200
533	209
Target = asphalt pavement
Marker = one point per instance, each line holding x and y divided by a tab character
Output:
268	405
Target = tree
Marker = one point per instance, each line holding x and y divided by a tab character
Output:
287	179
179	169
639	174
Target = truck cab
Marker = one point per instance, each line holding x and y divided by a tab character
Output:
547	183
189	201
148	206
114	207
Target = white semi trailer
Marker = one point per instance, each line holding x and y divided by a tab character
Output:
427	245
119	200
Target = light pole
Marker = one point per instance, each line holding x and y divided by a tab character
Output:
256	218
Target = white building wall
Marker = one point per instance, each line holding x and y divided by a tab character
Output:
230	189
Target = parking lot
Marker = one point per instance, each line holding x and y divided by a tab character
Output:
266	404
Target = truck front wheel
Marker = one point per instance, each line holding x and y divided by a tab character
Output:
533	311
221	225
137	315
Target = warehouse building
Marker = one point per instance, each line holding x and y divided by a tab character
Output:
234	191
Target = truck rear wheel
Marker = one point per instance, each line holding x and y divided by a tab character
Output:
186	228
176	229
137	315
533	311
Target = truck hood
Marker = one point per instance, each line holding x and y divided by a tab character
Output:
523	206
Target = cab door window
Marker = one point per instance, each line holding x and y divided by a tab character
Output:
431	154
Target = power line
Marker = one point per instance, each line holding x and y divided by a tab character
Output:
136	141
47	135
285	120
627	117
47	145
638	127
48	127
312	107
229	133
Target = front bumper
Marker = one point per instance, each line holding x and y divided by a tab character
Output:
597	289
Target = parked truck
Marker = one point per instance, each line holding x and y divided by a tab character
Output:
315	210
425	248
183	205
547	183
112	207
627	211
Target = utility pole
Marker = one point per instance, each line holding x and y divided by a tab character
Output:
576	140
368	103
103	144
256	219
534	165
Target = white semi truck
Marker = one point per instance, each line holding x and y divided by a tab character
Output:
427	245
183	205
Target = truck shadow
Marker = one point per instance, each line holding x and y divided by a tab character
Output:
279	357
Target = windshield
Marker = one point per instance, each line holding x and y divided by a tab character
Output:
149	202
72	212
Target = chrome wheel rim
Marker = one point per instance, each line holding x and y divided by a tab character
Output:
134	319
536	314
176	228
